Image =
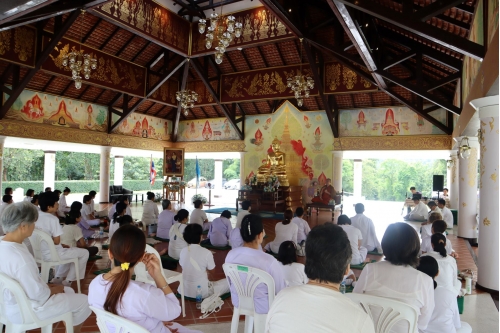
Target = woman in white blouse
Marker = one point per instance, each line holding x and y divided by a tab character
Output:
177	242
18	221
63	205
447	277
29	195
292	270
397	278
285	231
150	306
150	210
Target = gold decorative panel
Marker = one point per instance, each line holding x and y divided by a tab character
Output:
212	146
18	45
421	142
342	80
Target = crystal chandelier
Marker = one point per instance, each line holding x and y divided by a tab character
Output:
221	31
300	84
79	63
187	99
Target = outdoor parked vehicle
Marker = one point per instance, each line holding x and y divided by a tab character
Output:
192	182
212	183
233	184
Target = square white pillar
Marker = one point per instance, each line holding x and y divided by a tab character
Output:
118	170
49	169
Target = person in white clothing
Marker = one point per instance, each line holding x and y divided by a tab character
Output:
303	227
198	216
419	212
426	228
438	227
96	213
29	195
49	223
112	210
293	271
6	201
446	212
165	220
445	193
72	235
63	206
150	210
445	317
433	207
220	230
34	201
367	228
47	300
447	265
355	239
396	277
114	224
195	261
284	231
150	306
177	242
318	306
251	254
246	207
88	211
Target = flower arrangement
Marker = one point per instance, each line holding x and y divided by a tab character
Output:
174	185
158	197
246	187
199	197
253	180
272	184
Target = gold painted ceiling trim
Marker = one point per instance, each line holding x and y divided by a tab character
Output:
400	142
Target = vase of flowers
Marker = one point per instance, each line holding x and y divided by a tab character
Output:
199	197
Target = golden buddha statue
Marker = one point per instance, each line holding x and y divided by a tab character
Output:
275	164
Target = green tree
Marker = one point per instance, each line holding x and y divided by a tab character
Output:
22	164
231	168
348	175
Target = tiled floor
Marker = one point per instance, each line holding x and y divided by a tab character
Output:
225	314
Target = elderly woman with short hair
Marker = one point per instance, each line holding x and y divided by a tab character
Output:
18	221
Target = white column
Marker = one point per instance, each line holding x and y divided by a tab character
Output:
2	143
337	170
488	259
242	168
118	170
358	178
49	170
104	175
218	174
467	191
453	180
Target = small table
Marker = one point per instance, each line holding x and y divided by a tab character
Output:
142	197
319	205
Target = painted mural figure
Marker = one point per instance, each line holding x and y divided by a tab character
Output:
361	119
390	126
207	131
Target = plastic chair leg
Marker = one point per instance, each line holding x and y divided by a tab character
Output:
181	286
235	321
47	329
260	323
248	324
45	272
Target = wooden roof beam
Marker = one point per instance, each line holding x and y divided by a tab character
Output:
183	86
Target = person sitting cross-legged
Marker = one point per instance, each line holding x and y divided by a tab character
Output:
165	220
88	211
119	211
292	270
303	227
355	239
199	216
195	262
72	235
284	231
177	242
150	210
47	300
220	230
246	207
367	228
318	306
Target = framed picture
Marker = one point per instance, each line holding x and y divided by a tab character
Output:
173	162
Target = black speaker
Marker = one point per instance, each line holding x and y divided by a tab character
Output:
438	183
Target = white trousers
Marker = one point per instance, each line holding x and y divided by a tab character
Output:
363	251
465	328
218	287
94	222
68	270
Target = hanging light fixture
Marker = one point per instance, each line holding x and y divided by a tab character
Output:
300	84
187	99
221	32
79	63
450	163
464	148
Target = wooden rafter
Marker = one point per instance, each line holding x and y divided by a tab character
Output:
183	86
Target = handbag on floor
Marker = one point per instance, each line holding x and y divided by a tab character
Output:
301	249
210	305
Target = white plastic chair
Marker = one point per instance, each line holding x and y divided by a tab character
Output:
36	242
254	277
29	318
120	324
386	312
142	275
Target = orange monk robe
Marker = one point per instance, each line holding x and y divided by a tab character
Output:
325	194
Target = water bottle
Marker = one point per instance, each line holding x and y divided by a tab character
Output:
342	287
198	297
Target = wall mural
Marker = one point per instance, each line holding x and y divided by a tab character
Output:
387	121
18	45
144	126
44	108
206	130
306	139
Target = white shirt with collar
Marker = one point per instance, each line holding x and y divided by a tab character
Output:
447	216
419	210
192	275
150	212
198	216
447	276
367	228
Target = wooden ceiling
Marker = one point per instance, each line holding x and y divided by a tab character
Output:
412	50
